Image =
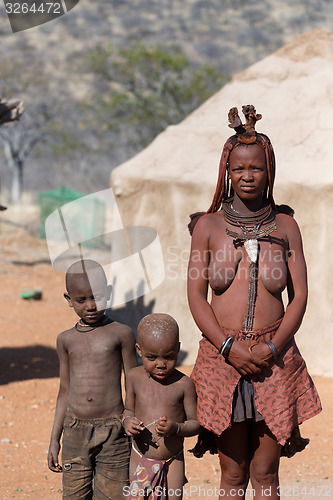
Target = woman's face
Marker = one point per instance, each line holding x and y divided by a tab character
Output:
248	171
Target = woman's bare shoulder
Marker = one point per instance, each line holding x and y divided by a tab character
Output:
207	222
288	225
286	221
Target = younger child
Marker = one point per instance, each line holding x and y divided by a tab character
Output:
95	453
160	410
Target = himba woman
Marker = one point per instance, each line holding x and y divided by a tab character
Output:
252	383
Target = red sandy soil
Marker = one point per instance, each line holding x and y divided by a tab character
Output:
29	384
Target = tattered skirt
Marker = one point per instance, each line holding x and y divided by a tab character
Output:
284	393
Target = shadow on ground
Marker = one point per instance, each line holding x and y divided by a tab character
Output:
30	362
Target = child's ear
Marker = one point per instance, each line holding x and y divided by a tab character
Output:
69	300
138	350
108	292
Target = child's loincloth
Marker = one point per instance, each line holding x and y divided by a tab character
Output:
150	476
285	395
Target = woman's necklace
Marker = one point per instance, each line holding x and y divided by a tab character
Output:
250	224
248	218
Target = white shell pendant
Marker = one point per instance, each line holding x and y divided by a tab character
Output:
251	247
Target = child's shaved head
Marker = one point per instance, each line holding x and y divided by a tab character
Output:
158	325
83	268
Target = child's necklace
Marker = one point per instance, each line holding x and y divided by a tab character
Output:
102	322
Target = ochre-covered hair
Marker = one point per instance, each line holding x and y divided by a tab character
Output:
245	134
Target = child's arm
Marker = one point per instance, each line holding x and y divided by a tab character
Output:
131	424
61	407
128	351
191	426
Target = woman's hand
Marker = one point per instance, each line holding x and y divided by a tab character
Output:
261	352
245	362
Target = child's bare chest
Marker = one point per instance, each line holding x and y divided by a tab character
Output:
154	400
93	348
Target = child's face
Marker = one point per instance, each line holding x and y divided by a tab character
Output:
248	171
159	355
89	297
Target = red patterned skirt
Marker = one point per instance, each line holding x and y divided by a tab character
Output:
284	392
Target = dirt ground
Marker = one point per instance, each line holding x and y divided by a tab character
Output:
29	383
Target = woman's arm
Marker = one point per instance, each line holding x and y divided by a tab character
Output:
197	283
297	287
297	293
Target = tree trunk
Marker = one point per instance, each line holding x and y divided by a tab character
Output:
15	165
17	180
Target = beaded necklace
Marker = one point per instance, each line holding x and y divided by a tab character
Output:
250	224
103	321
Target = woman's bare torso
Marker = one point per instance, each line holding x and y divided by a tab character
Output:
228	275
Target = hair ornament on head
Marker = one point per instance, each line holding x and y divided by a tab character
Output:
245	132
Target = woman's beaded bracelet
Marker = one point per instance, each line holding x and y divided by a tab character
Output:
226	346
273	349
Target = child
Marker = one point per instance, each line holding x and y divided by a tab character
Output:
95	453
160	410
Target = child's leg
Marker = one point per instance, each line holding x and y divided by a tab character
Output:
77	479
111	461
176	478
77	472
134	462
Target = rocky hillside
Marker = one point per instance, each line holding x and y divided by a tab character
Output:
231	34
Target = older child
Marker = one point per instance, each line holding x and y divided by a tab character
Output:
95	453
160	410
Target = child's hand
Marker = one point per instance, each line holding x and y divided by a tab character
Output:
52	458
166	427
133	426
